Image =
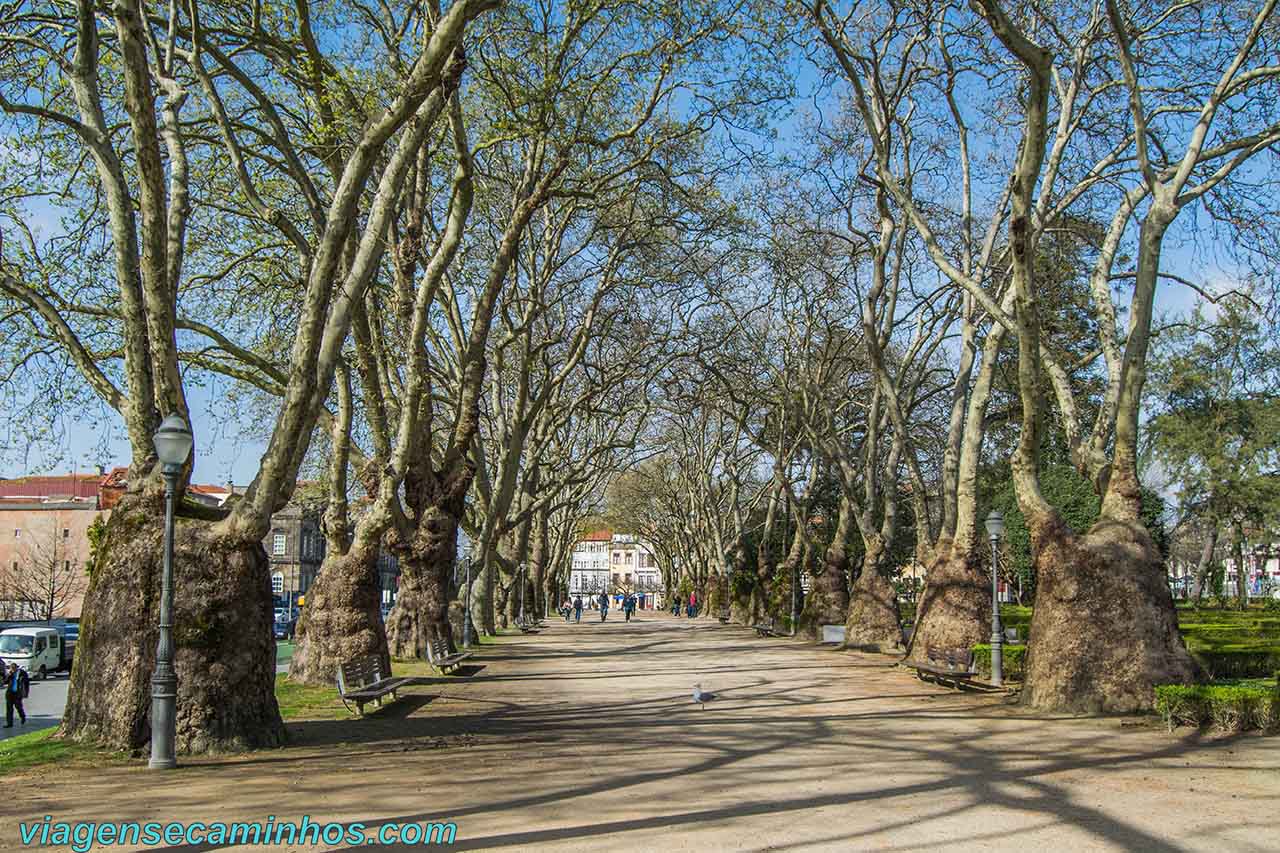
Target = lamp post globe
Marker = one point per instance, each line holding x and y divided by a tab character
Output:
173	443
995	529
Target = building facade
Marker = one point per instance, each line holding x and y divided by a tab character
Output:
616	564
44	544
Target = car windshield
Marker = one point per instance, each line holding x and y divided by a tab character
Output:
12	643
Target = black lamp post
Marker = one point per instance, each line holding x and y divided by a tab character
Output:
995	530
173	446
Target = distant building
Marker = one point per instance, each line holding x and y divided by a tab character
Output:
45	520
44	542
615	563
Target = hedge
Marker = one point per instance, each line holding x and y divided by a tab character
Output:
1012	659
1229	707
1237	663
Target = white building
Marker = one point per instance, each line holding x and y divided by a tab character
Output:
615	563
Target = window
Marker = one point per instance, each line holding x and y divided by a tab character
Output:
66	565
277	583
66	533
17	533
278	542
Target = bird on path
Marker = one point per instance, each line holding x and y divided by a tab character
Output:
700	697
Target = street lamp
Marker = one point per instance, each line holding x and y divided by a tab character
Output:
173	446
466	608
995	530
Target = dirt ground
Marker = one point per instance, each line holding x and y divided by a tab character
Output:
585	737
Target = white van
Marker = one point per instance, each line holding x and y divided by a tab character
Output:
37	650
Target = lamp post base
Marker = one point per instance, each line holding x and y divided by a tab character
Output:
164	696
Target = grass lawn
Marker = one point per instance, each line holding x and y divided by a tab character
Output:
42	747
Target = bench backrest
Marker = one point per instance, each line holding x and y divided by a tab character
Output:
959	659
360	672
437	649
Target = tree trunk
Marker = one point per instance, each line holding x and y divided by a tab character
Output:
342	619
222	625
874	622
1242	571
955	607
1205	566
421	612
828	602
1105	631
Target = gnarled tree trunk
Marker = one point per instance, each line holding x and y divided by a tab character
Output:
828	602
874	622
955	607
421	611
222	620
342	619
1105	631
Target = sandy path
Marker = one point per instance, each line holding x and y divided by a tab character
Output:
585	737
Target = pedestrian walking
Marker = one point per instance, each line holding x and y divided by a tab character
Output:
675	608
17	685
604	607
577	609
693	604
628	606
566	609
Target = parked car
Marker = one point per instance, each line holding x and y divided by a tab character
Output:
37	650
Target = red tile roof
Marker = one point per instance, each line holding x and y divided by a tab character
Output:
65	485
598	536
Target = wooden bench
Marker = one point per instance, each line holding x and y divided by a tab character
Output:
528	627
724	616
945	664
361	681
440	659
768	629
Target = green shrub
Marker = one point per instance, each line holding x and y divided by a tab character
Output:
1012	660
1237	663
1229	707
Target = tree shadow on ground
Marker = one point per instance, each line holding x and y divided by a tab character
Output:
751	754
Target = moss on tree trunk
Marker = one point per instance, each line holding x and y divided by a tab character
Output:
222	629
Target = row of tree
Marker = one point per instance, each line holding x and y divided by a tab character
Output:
478	268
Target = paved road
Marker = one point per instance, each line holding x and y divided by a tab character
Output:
44	706
585	738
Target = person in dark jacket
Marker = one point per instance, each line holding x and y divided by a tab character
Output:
604	606
16	685
577	608
628	606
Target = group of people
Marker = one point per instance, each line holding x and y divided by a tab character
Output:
690	606
17	684
574	608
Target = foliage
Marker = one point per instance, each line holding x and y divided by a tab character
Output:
1079	504
1012	660
97	533
1216	429
1229	707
